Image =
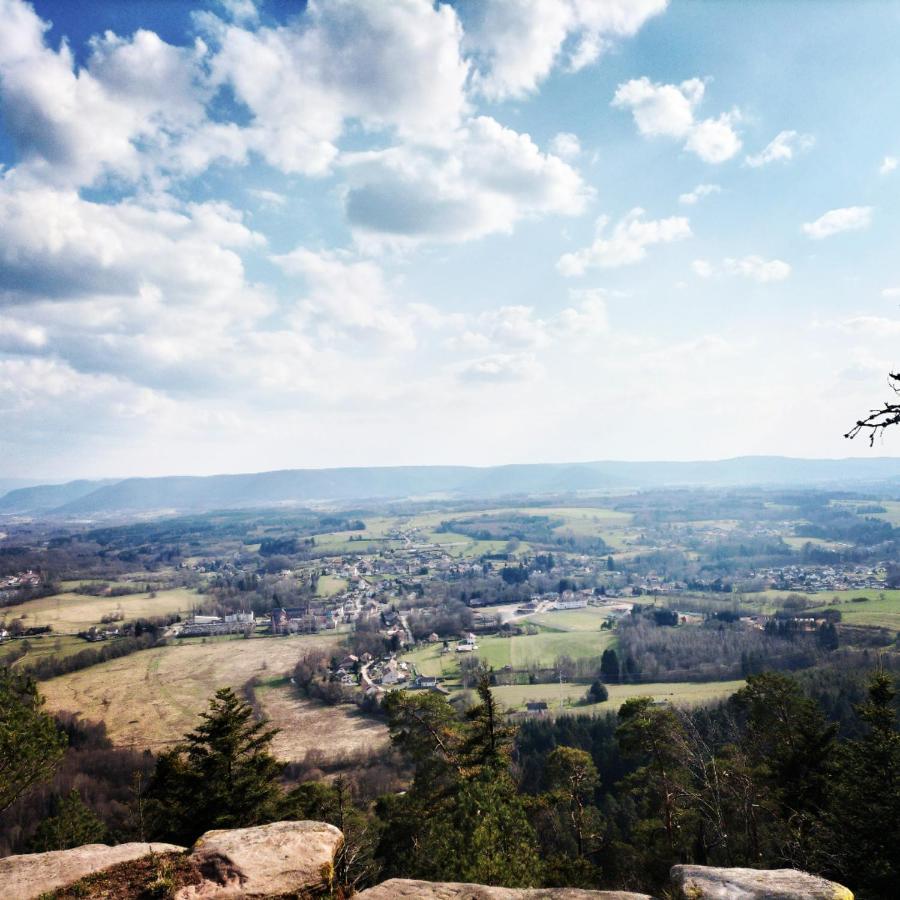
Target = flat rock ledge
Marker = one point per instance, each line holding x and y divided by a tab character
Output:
707	883
400	888
27	876
265	861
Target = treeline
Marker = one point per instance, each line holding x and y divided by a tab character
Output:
144	634
717	650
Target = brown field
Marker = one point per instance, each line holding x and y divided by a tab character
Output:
308	726
150	699
70	612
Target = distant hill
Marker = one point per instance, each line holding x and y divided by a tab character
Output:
196	494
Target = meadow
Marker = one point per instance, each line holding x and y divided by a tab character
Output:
151	698
566	698
307	726
539	650
71	612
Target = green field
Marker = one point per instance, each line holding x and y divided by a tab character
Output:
566	698
539	650
588	619
71	612
42	646
328	585
462	545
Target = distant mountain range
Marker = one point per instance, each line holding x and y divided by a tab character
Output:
137	496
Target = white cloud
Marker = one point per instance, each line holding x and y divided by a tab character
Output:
753	267
518	328
488	179
849	218
515	44
702	268
268	198
389	65
667	110
782	148
757	268
702	190
565	145
346	298
56	244
126	113
888	164
626	245
16	335
890	293
499	368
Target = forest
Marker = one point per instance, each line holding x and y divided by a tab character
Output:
782	774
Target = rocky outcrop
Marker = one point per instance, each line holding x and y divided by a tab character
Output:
281	858
707	883
29	875
404	889
297	859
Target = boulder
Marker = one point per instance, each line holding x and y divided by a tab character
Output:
707	883
29	875
400	888
281	858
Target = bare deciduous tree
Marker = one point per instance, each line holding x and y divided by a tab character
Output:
878	420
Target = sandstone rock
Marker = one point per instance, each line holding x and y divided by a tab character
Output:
400	888
281	858
707	883
29	875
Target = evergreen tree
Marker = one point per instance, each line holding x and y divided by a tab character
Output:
609	666
221	776
31	745
71	825
864	817
790	746
463	817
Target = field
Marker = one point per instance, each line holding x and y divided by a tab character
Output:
70	612
305	725
881	609
687	693
42	646
329	585
520	652
150	699
588	619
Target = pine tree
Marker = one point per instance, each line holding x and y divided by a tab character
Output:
864	817
71	825
221	776
609	666
31	745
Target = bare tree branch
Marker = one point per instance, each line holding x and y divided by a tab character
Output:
879	420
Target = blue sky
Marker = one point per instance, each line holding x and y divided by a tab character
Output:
242	236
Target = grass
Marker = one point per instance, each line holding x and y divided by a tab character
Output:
310	727
520	652
150	699
328	585
686	693
70	612
588	619
881	609
42	646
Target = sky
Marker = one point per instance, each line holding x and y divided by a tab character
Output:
241	235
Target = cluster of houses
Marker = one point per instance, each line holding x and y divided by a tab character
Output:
813	579
21	580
